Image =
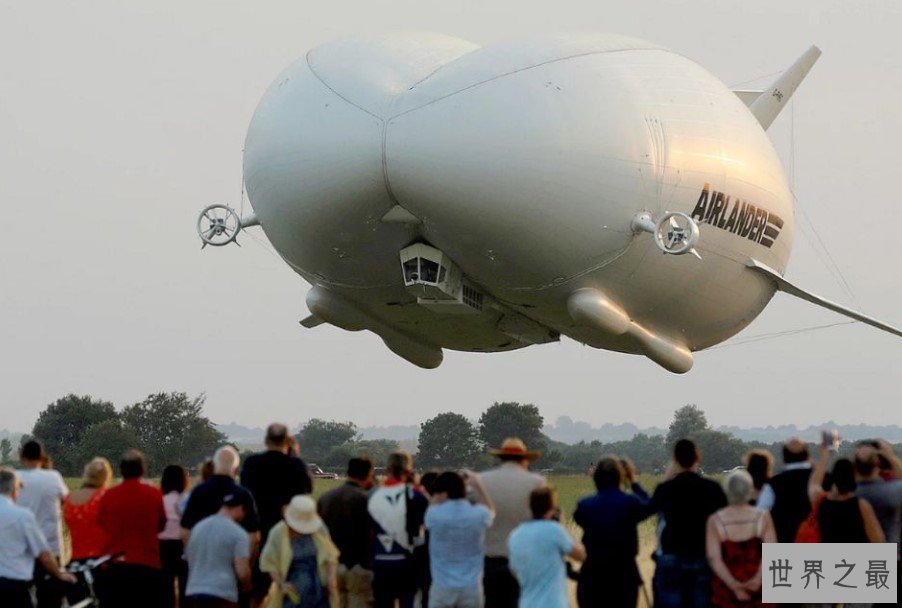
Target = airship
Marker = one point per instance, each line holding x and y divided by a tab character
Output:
447	195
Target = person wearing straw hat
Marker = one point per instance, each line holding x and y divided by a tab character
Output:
301	558
509	486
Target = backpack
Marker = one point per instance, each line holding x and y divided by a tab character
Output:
810	530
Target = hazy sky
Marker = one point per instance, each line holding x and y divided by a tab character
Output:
118	124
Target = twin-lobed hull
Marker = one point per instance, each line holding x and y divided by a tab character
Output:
524	163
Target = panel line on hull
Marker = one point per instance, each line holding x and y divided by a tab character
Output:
326	84
517	71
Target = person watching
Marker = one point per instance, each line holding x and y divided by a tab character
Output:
786	494
509	486
684	500
218	555
609	520
884	496
273	477
537	549
81	509
43	492
457	540
734	539
21	545
760	465
173	484
343	509
842	516
132	515
206	499
397	510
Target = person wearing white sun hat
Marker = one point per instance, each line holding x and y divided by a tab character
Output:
301	558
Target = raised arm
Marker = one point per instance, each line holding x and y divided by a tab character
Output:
886	450
481	494
578	552
816	481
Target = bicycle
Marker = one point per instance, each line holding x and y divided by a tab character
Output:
86	569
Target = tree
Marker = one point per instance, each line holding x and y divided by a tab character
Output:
510	419
109	439
318	437
377	450
6	449
688	421
171	428
61	425
719	451
449	441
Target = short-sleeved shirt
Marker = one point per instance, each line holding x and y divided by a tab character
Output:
132	515
686	502
509	486
206	499
537	549
457	543
215	543
42	493
21	541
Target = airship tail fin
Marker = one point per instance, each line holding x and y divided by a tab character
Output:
767	106
787	287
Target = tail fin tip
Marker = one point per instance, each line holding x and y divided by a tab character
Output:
771	102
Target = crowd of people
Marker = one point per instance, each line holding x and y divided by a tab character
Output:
254	536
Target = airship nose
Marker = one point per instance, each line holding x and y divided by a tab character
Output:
314	175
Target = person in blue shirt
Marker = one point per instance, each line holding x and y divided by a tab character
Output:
457	541
609	518
537	551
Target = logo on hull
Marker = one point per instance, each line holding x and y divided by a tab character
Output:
737	216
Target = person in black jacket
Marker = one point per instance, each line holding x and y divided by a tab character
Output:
273	478
684	501
344	511
609	519
786	495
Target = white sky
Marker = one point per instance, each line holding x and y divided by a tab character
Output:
119	123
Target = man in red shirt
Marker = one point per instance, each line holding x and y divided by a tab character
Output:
132	515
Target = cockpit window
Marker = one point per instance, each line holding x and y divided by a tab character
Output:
428	270
411	273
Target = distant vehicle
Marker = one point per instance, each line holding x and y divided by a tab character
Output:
317	473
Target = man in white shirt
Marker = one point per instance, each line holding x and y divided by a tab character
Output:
43	491
21	544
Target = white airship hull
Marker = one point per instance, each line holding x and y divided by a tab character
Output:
524	164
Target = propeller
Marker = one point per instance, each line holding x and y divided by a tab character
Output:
218	225
675	232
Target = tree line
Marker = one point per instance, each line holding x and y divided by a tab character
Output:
167	427
171	428
451	440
